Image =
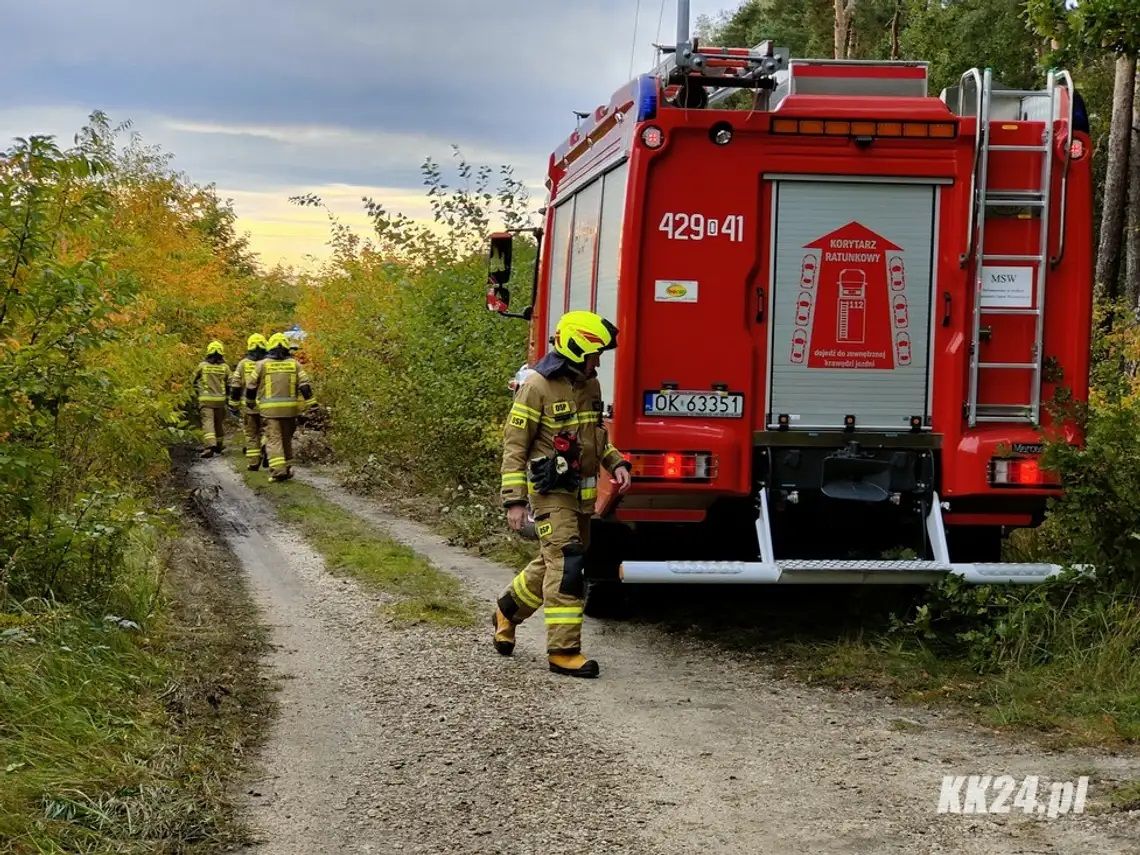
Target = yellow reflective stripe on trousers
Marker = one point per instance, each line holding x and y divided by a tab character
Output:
523	593
563	615
276	461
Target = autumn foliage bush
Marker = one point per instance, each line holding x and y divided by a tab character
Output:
115	272
413	367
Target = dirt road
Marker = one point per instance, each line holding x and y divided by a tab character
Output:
422	739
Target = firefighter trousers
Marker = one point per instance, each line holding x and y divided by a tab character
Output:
252	423
213	426
279	444
554	579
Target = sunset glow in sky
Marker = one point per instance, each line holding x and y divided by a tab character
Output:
342	98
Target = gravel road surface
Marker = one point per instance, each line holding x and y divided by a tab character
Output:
422	739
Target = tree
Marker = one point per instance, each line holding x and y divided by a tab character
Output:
844	12
1086	30
962	34
1113	212
1132	224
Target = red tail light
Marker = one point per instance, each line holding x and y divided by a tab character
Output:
1020	472
673	465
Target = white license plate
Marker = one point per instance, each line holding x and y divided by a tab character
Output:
708	405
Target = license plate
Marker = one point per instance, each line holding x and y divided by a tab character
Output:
708	405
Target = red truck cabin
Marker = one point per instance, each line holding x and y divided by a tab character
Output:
844	307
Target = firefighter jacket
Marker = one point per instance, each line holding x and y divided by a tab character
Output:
243	371
555	407
280	387
210	380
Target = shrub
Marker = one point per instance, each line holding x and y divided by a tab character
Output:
413	369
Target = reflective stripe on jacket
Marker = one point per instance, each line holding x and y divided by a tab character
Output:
544	407
278	385
243	371
210	383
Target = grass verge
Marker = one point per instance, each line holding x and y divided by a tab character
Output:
352	546
1066	690
124	737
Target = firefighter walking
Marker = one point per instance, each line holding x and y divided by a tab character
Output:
281	391
554	443
209	383
256	348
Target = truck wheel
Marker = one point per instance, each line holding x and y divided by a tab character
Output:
604	598
974	543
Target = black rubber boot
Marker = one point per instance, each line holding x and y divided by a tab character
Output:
573	665
504	633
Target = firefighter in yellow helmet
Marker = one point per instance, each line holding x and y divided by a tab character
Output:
554	444
282	392
256	348
210	387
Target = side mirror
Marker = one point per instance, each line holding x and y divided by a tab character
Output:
499	273
499	258
498	298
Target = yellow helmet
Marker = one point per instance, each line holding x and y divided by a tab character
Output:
255	341
215	347
277	340
581	333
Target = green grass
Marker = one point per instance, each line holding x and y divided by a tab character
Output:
1125	796
354	547
1081	696
1065	700
109	739
1070	676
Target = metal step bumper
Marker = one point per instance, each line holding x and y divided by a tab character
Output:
769	571
829	572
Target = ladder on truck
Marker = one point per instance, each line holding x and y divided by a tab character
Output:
1000	107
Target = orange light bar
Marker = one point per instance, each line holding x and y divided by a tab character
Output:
866	128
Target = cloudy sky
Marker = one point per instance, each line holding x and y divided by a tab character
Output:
269	98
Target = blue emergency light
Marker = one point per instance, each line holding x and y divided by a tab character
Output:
646	97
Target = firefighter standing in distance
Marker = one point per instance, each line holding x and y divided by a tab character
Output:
256	348
554	443
210	380
281	390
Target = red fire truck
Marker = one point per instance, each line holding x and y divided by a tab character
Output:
844	304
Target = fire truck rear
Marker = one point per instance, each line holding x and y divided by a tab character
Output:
844	304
